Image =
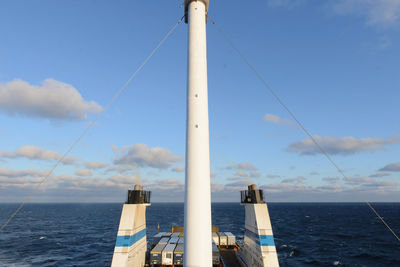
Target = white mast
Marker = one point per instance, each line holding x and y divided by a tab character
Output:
197	183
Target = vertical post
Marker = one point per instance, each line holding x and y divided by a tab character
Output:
197	182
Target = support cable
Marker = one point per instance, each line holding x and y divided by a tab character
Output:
320	148
90	125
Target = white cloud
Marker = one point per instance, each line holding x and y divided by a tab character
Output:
255	174
341	146
276	119
382	185
273	176
331	179
121	169
178	169
393	167
84	172
65	188
23	173
95	165
359	180
51	100
237	186
241	173
166	185
382	13
36	153
298	179
143	156
380	174
242	166
285	3
314	173
216	187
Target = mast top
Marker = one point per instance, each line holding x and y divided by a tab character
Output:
187	2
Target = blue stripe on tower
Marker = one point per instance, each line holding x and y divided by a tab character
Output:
129	240
267	240
262	240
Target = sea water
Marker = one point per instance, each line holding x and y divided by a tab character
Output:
306	234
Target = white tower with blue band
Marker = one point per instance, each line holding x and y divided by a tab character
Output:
131	244
259	246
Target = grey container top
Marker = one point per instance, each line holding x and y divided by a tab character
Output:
179	248
169	248
164	240
160	234
158	249
173	240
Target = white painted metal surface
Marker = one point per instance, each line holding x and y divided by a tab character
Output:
259	247
131	244
223	239
197	183
231	239
215	238
168	254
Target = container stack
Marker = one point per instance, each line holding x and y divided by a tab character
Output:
168	248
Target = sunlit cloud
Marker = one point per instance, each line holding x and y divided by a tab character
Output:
341	145
52	100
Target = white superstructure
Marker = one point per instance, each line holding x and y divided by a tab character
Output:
131	244
258	249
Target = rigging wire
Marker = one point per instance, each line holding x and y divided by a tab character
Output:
320	148
90	125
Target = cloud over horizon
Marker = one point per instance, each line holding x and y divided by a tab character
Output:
341	145
93	165
392	167
36	153
141	155
52	100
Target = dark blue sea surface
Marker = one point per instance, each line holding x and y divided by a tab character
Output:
306	234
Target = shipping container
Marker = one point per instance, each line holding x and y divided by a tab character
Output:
175	234
223	239
173	240
168	254
164	240
157	237
215	255
231	239
178	254
156	254
215	238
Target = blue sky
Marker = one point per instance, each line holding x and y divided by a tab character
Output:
334	63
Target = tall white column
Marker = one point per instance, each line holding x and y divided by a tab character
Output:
197	183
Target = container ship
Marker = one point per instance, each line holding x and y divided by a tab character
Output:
197	243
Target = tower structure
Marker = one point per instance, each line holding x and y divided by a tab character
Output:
259	246
131	244
198	248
